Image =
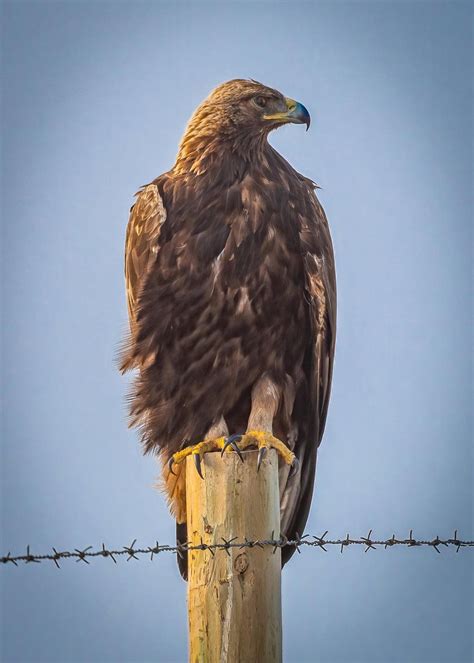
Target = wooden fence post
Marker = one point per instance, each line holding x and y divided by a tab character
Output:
234	596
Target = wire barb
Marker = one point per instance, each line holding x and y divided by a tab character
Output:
311	541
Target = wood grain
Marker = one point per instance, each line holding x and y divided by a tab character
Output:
234	599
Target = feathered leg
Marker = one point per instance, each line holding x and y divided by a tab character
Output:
266	397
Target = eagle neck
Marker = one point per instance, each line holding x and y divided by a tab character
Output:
228	157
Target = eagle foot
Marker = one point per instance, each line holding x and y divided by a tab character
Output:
263	440
197	451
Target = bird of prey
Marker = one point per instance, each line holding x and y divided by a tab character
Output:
231	290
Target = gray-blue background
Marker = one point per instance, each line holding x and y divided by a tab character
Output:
95	99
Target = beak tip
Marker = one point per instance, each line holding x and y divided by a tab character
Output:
303	115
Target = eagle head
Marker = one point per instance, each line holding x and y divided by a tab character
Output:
253	106
236	116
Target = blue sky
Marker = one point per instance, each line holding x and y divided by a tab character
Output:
95	99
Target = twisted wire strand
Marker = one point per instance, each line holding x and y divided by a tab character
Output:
307	540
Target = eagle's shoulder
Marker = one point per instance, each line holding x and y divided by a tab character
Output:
278	162
148	203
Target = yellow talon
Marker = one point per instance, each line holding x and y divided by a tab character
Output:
264	441
198	451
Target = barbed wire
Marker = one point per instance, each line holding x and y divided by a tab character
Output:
308	540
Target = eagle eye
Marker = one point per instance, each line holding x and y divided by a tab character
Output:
260	101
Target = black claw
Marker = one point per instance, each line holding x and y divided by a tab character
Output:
170	465
231	442
294	467
197	462
261	453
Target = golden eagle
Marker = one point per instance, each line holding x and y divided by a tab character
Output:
231	290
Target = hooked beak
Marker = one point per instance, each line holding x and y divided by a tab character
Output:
296	114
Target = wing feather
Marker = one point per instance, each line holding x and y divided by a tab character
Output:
147	217
142	243
321	289
322	315
320	286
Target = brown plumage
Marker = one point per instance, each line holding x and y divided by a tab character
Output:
232	295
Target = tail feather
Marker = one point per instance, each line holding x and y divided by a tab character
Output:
296	499
173	484
181	537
